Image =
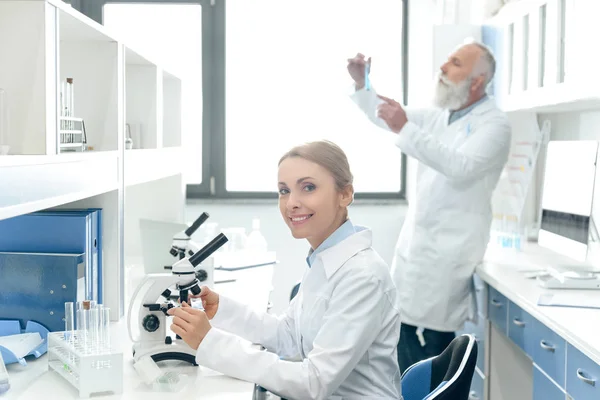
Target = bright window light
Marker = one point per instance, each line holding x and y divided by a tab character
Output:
287	83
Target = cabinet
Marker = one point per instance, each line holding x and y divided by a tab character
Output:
44	42
542	62
558	368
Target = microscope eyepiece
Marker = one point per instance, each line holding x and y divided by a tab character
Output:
207	250
199	221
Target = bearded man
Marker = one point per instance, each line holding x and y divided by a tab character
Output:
461	145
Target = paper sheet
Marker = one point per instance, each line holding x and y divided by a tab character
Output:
588	299
20	345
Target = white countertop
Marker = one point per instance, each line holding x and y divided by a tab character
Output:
36	381
504	272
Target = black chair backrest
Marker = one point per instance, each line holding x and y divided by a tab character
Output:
456	365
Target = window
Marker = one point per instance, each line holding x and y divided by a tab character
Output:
286	83
273	75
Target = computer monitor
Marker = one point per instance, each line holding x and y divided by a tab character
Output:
157	237
567	198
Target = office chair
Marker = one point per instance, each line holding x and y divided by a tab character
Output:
443	377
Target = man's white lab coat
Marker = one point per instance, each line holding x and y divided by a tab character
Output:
343	323
446	230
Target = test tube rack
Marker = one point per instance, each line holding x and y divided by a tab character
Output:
89	369
72	136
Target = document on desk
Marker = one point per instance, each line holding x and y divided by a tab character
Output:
579	299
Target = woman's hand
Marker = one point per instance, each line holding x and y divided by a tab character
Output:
190	324
210	301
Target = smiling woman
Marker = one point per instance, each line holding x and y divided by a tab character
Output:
315	189
343	324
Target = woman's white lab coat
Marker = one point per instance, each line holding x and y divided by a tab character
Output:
343	323
446	230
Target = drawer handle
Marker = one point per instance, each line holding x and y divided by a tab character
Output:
546	346
585	379
518	322
473	395
496	303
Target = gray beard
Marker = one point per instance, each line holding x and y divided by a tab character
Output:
451	96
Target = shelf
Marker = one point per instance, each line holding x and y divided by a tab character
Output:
146	165
75	26
141	85
91	59
33	183
171	116
559	98
42	43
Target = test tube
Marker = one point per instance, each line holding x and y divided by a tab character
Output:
106	328
93	330
85	325
69	319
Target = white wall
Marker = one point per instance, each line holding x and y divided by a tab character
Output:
384	219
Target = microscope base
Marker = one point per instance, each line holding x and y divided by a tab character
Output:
159	351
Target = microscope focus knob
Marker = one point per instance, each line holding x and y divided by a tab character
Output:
151	322
201	275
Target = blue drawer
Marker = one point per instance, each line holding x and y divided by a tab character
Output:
520	328
477	386
544	388
498	309
583	375
549	352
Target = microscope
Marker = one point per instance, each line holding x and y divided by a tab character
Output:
147	318
183	246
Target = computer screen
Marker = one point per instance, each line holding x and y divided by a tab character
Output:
567	198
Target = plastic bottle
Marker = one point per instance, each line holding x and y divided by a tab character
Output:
256	242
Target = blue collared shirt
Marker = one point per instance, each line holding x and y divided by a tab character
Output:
455	115
341	233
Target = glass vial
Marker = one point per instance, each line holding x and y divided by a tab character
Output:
69	320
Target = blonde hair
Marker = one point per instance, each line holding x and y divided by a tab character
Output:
329	156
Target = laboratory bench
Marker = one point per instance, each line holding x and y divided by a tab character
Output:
36	381
527	351
250	285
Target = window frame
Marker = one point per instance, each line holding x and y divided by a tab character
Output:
213	185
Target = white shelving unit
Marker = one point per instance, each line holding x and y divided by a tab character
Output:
116	90
543	59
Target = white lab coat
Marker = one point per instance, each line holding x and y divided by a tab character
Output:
446	230
343	323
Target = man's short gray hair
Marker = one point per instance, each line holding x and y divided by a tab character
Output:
486	65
